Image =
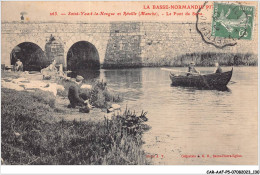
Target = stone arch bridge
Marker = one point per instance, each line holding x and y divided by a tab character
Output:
114	44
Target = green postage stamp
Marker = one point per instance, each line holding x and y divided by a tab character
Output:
233	21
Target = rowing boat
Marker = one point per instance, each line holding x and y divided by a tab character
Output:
208	81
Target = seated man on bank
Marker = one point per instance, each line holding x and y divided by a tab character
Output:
218	68
18	65
192	70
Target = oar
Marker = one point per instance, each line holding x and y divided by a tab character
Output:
172	70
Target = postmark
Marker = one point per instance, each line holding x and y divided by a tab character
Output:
211	30
232	21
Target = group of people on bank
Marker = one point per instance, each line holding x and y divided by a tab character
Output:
48	71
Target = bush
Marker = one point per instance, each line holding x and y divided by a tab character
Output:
100	96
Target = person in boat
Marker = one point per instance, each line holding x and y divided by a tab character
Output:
218	68
18	65
192	70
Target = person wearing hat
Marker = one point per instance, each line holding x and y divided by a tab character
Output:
79	80
218	68
18	65
192	70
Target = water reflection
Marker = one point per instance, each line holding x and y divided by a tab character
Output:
126	82
89	75
125	77
192	89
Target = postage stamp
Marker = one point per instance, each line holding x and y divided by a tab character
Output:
232	21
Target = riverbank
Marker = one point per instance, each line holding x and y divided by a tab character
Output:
207	59
203	59
38	128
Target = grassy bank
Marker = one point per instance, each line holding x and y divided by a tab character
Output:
31	135
209	59
203	59
226	59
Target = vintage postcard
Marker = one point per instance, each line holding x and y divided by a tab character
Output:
129	83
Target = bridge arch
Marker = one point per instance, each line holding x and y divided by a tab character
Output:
31	55
82	55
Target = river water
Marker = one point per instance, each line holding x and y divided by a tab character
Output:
187	121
